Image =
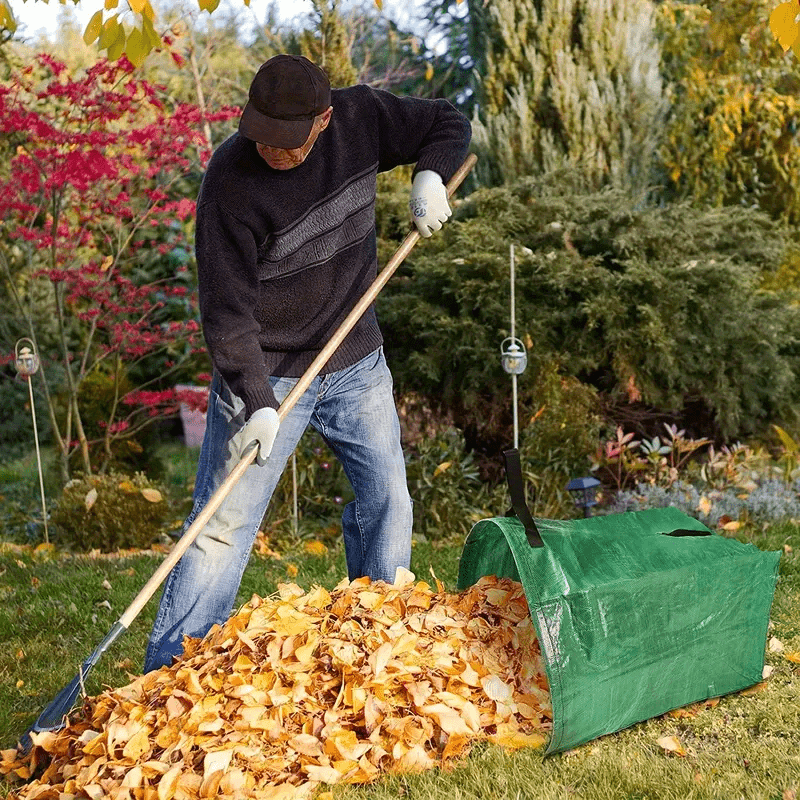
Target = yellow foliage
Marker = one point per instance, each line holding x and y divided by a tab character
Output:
732	136
783	24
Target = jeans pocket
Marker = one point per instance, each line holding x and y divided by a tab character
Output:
226	404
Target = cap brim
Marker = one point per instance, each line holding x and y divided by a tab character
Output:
283	133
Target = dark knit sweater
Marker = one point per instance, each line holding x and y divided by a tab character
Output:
284	255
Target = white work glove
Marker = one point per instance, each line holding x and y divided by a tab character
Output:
428	203
262	426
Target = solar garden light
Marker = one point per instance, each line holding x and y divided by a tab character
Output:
583	493
513	356
27	363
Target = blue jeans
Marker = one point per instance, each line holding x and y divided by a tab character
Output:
354	411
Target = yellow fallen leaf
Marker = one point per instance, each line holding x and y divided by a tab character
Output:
671	744
380	658
704	506
169	782
291	570
793	657
217	761
449	720
755	689
152	495
456	746
133	778
496	689
403	577
370	600
415	759
316	548
322	774
733	525
137	745
516	740
90	499
306	744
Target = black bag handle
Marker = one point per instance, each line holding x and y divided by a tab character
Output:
516	489
687	532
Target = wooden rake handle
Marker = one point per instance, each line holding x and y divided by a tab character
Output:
214	502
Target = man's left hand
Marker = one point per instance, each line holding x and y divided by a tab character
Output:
428	203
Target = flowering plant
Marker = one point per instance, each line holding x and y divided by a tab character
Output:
93	210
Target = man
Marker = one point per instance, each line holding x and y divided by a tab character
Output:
286	246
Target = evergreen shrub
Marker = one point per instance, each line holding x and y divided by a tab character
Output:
660	307
561	431
109	512
445	485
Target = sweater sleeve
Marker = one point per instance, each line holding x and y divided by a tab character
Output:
228	292
432	133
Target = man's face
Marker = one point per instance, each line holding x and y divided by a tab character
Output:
280	158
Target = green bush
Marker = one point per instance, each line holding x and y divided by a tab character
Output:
656	308
561	432
445	485
109	512
16	423
97	395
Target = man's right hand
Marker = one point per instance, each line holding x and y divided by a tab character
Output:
262	427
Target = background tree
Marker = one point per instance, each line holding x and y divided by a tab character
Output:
110	27
659	327
731	136
567	84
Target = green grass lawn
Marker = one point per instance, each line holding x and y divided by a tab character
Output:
54	610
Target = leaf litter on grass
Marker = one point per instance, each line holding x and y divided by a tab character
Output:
302	689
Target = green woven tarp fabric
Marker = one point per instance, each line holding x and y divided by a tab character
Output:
632	622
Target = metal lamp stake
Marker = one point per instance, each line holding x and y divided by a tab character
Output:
512	354
27	363
295	518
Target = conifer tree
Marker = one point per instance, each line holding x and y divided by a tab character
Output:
330	42
567	83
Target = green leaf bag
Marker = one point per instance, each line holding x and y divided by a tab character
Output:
636	613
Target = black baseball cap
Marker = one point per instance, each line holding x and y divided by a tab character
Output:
285	96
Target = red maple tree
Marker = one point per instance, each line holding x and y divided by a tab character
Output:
95	203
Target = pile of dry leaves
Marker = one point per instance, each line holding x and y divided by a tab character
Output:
308	688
